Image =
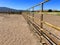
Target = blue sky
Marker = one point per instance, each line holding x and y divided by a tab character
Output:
24	4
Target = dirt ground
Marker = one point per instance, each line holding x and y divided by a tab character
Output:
52	19
14	30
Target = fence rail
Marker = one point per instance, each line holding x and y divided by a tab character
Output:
49	37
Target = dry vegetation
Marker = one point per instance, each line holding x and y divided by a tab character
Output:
14	30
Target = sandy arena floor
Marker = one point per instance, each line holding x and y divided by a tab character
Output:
14	30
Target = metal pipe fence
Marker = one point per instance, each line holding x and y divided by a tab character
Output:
40	30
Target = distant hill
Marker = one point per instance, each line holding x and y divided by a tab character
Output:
9	10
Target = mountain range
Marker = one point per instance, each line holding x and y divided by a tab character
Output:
6	9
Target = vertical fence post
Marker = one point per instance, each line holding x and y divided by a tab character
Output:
41	15
41	20
33	13
27	15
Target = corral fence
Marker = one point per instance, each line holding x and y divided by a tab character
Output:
37	23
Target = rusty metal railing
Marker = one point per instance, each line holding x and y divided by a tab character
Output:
39	29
